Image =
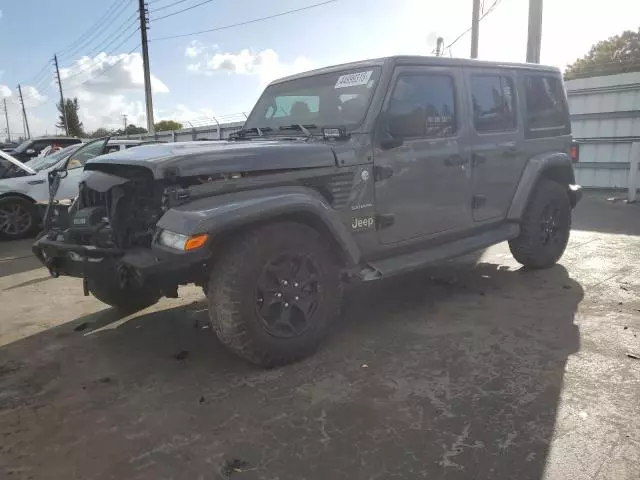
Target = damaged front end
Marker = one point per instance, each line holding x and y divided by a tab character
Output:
111	227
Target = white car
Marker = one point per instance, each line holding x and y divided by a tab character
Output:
22	186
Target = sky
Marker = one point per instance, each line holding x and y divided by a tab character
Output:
221	73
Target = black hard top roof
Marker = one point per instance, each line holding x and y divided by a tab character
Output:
422	60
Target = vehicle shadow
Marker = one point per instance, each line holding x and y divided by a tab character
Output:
452	372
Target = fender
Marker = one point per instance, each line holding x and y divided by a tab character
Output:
222	213
537	167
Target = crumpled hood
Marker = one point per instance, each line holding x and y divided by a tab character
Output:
204	158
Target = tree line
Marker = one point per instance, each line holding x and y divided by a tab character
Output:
76	127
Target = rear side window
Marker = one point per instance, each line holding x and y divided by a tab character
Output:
423	105
493	103
546	106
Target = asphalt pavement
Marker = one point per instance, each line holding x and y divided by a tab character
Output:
477	369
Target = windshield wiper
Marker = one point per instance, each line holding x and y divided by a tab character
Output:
259	130
302	128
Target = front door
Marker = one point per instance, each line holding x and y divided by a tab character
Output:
422	168
497	151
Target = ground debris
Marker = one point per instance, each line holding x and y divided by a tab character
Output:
635	356
181	355
235	465
567	287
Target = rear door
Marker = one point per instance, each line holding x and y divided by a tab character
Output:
422	175
497	152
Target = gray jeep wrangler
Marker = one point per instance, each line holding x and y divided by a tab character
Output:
353	172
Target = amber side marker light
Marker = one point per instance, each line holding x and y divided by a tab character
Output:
195	242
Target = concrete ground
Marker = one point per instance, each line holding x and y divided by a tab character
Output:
460	372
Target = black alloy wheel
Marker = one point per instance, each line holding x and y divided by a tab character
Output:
287	295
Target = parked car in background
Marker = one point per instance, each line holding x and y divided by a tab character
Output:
8	146
31	148
23	186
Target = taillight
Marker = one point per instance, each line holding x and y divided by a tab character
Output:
575	152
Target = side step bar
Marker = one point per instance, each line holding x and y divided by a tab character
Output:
413	261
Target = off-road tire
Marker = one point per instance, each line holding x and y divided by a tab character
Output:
232	299
27	206
529	248
128	300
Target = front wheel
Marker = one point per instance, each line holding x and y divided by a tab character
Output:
545	227
274	293
18	218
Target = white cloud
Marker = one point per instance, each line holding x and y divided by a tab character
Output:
194	49
5	91
266	64
107	87
109	73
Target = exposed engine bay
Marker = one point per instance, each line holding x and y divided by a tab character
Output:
117	207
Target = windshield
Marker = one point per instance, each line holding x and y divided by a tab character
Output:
328	100
41	163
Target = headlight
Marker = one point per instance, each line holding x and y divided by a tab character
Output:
182	242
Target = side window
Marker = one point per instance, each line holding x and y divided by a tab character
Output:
39	146
493	103
84	154
546	108
422	106
111	148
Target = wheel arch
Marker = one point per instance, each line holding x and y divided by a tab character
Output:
17	195
555	166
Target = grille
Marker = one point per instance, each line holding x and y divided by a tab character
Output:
93	198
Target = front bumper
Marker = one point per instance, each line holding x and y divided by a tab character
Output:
157	265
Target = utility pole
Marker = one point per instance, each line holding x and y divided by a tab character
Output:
24	114
534	38
62	104
145	64
475	28
6	117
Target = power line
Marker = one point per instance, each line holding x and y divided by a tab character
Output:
183	10
112	52
93	27
255	20
166	6
98	32
493	6
109	67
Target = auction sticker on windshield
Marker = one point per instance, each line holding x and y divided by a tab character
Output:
353	79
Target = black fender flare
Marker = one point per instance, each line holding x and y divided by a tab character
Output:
537	167
221	214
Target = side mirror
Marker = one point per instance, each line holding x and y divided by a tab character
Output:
31	152
407	125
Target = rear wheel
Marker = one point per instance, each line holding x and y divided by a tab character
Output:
18	218
274	294
129	298
545	227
